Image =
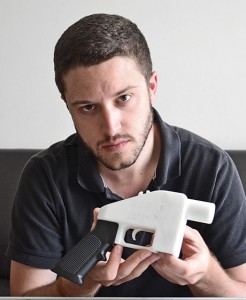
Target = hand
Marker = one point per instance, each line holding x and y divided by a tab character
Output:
116	270
194	264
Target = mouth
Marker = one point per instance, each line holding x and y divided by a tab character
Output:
115	146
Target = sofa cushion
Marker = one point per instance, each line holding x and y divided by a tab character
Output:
4	287
12	162
239	158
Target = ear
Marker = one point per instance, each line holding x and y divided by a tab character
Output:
153	86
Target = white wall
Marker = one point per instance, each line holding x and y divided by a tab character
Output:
198	49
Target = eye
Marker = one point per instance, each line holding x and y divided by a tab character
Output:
88	107
124	98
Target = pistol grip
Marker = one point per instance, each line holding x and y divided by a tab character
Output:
75	265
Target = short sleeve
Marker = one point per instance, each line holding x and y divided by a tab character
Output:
226	235
35	226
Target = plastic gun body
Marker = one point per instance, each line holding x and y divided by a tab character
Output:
162	213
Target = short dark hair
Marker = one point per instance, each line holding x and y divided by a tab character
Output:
97	38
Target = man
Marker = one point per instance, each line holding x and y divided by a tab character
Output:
104	73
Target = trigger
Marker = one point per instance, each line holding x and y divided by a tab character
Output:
134	233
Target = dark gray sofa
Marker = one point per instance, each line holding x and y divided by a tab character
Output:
11	164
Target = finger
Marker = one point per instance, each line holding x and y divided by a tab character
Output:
194	262
115	256
184	271
135	265
192	243
171	268
105	273
169	262
192	235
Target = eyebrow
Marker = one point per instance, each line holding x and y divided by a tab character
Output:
129	87
79	102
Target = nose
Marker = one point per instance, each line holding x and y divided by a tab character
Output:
110	121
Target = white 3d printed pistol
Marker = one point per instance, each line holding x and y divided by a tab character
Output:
162	213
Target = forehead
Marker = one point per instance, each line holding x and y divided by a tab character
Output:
110	76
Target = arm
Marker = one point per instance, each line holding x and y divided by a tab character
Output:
29	281
222	283
200	270
24	278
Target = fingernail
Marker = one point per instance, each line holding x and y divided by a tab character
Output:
145	255
118	249
154	258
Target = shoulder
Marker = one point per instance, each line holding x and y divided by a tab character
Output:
207	165
58	148
192	144
181	143
189	156
51	162
57	152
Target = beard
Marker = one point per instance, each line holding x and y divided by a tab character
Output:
116	162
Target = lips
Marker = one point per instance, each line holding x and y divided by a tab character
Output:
115	146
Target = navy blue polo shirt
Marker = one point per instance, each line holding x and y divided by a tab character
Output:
60	187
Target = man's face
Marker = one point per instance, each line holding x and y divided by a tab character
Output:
110	104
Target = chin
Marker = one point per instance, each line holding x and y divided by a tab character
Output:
117	166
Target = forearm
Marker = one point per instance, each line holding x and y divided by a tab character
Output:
217	283
65	288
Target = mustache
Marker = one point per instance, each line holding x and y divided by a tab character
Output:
109	139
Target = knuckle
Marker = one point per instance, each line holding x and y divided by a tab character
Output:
108	275
184	273
192	281
136	273
123	274
106	283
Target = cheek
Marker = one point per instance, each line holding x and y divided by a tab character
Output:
87	130
141	117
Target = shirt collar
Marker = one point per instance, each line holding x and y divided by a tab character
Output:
169	165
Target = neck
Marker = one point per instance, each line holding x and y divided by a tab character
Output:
130	181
